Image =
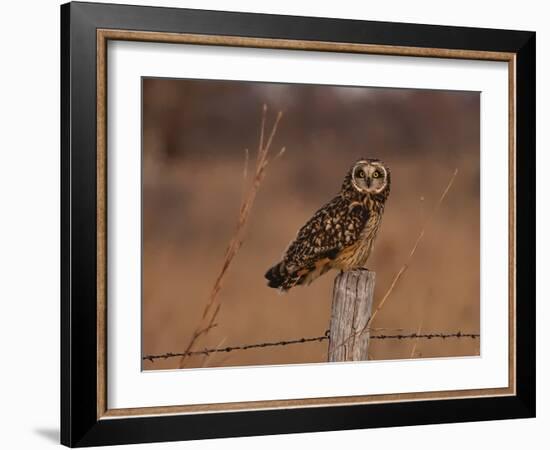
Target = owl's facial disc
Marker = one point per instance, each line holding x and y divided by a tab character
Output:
369	177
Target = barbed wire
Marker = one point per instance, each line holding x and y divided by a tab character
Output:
303	340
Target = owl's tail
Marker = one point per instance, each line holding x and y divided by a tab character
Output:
279	278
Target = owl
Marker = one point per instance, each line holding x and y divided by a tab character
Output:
341	234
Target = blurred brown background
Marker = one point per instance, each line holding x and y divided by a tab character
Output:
194	136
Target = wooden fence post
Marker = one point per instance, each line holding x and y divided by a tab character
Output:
352	299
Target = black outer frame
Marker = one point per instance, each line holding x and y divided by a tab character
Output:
79	423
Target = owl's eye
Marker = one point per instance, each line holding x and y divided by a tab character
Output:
376	174
360	174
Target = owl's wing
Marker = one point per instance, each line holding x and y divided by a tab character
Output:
334	227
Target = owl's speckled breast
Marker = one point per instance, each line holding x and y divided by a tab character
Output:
357	254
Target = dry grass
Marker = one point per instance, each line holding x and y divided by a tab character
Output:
440	288
250	190
413	350
405	266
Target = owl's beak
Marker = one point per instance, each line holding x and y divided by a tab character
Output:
368	182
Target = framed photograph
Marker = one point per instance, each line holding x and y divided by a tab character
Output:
276	224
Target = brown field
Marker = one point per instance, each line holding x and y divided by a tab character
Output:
195	133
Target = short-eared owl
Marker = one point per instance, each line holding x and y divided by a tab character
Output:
341	234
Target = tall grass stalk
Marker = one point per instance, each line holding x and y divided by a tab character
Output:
250	190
